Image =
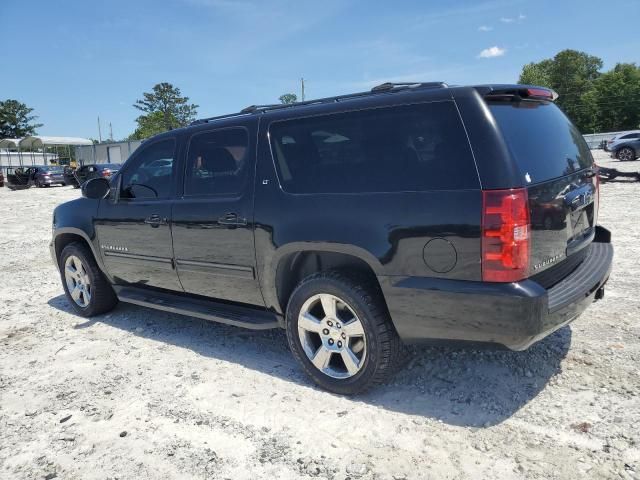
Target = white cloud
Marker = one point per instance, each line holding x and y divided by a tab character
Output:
519	19
492	52
485	28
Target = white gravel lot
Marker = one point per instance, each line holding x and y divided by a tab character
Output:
143	394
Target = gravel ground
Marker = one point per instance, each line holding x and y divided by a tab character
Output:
144	394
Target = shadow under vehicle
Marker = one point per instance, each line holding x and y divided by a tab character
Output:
458	384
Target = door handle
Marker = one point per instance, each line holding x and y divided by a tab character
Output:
155	220
231	219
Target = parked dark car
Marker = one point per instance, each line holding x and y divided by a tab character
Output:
1	179
38	175
357	223
87	172
17	179
45	176
625	147
70	176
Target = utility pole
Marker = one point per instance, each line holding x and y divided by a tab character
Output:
302	85
110	132
99	130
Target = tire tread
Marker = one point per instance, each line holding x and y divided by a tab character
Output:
391	348
103	297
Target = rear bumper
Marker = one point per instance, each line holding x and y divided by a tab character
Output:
512	314
52	181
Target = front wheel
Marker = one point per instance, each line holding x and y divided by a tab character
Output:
626	154
84	284
339	330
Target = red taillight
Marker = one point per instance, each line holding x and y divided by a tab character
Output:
505	235
542	93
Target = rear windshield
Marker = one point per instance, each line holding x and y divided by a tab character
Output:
54	169
544	143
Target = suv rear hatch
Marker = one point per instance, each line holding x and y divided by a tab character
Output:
558	175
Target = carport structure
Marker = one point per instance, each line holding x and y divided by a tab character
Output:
36	142
6	145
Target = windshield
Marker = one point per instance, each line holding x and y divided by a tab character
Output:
53	169
543	141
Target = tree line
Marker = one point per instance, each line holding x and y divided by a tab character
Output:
596	101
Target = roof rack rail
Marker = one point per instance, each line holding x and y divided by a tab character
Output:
218	117
385	87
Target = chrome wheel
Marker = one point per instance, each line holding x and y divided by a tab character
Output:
332	336
626	155
78	281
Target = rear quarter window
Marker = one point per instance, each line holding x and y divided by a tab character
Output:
542	140
403	148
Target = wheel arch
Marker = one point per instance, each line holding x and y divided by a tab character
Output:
68	235
630	147
298	262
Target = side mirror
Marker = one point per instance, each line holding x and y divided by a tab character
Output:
96	188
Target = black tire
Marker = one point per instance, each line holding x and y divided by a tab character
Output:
383	346
626	154
38	184
103	298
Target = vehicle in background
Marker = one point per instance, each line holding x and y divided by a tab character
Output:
19	178
625	147
357	223
45	176
610	144
1	179
87	172
70	177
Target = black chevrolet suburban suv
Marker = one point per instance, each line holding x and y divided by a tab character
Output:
357	223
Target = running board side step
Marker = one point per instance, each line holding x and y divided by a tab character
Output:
236	315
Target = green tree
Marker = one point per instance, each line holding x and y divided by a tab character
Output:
165	109
536	74
16	120
614	101
570	73
288	98
149	125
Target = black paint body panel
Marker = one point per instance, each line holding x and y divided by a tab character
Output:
511	314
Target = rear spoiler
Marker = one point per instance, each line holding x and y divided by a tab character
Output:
525	92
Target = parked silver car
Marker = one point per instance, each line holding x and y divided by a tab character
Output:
612	144
625	146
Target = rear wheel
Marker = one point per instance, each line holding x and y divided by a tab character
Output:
339	330
626	154
84	284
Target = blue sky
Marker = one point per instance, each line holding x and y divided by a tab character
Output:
74	60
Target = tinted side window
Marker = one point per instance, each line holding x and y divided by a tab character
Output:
405	148
216	162
151	173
